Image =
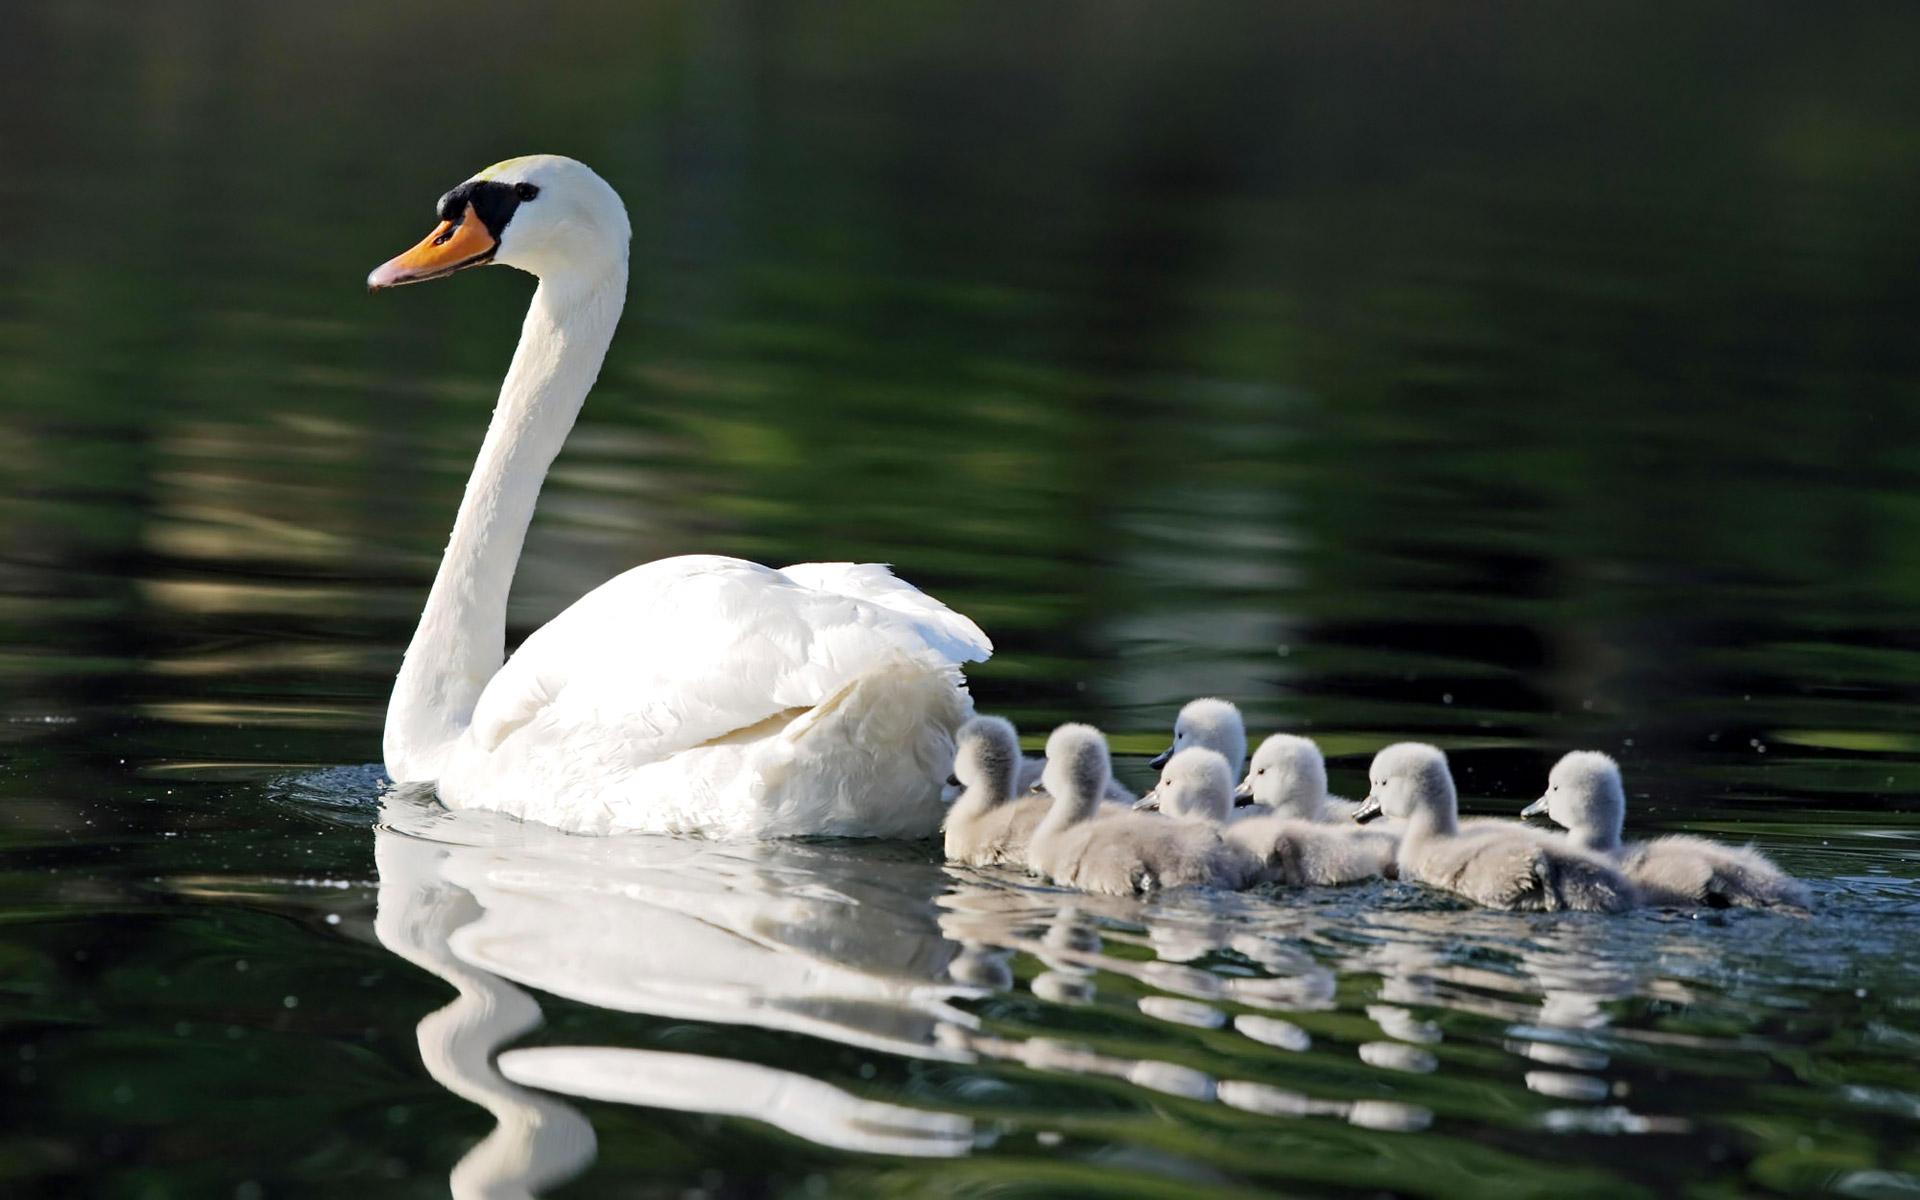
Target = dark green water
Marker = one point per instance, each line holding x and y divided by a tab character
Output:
1516	378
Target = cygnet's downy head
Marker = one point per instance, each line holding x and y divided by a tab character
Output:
986	757
1077	768
1584	795
1197	786
1212	723
1411	779
543	213
1289	775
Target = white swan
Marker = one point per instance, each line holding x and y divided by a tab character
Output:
1284	849
697	694
1584	795
1498	865
1118	853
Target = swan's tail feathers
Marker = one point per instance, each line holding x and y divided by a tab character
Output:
869	759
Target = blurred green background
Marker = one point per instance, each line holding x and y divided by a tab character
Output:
1557	361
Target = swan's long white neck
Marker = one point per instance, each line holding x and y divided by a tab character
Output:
461	640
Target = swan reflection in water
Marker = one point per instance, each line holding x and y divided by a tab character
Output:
876	947
780	935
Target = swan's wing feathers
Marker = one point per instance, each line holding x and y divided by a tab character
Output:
955	635
684	651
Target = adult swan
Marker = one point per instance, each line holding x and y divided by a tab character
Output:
697	694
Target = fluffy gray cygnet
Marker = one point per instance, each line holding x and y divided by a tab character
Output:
1118	853
1498	865
1209	722
1585	796
1288	775
989	824
1197	786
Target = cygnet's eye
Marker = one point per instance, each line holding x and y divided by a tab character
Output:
525	191
953	781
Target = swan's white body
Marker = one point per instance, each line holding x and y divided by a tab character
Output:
693	695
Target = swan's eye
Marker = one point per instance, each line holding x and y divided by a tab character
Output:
525	191
953	781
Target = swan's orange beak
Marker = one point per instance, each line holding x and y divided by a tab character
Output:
454	245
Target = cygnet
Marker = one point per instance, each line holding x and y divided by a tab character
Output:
1288	775
1196	786
1584	795
1208	722
989	824
1502	865
1118	853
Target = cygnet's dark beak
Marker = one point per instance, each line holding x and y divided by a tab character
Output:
1149	800
1160	760
1537	809
1244	793
1368	810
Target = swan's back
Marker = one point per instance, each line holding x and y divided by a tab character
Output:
1692	872
714	695
953	635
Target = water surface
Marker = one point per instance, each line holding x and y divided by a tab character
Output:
1519	380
